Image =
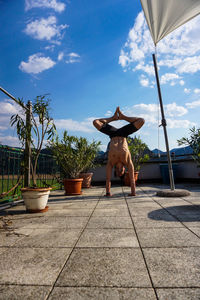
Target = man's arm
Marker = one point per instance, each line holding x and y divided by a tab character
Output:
108	178
131	176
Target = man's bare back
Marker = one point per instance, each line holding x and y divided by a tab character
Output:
119	154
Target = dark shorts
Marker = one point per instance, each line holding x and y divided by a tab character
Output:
123	131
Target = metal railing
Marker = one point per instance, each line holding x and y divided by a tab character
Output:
12	173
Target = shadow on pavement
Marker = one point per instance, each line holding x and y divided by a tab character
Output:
184	213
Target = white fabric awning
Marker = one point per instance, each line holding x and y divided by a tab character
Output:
164	16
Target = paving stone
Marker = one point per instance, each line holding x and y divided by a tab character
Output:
184	210
111	212
174	267
50	238
145	222
81	293
74	205
178	294
141	211
144	204
70	212
104	203
32	266
167	237
63	222
108	238
16	292
11	236
110	222
196	230
100	267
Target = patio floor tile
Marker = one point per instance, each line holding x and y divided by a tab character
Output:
81	293
110	222
167	237
108	238
98	267
174	267
31	266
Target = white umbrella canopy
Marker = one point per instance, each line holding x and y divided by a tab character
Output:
164	16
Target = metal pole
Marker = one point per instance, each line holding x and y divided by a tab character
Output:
13	98
27	151
164	124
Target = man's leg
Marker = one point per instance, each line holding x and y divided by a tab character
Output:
98	123
138	122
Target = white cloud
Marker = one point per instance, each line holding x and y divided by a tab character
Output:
72	125
193	104
171	123
168	77
53	4
9	141
108	113
196	91
149	69
8	108
173	109
187	91
144	81
178	52
60	56
37	63
73	58
45	29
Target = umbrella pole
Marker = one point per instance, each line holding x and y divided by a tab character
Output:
164	124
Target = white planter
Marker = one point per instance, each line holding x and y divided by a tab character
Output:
35	200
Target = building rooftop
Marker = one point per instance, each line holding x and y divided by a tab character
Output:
93	247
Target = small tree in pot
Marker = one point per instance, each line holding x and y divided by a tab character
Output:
139	154
74	155
194	142
39	127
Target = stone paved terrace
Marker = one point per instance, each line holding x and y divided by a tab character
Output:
92	247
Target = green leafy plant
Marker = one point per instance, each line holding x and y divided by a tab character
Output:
194	142
34	132
138	150
74	155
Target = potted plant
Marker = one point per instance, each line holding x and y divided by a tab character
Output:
74	155
91	151
194	142
38	126
139	154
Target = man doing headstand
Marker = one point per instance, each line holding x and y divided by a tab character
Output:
119	154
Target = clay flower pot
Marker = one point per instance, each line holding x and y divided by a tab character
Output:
87	178
127	180
73	186
35	199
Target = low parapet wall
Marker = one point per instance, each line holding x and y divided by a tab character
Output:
150	171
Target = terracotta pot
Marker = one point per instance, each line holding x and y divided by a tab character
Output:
127	180
35	199
87	178
73	186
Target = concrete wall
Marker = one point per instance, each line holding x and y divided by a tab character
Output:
151	171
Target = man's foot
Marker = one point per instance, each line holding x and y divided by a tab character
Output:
120	114
132	194
108	195
116	115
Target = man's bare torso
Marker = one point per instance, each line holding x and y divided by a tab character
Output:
118	151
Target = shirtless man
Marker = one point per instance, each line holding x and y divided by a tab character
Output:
119	155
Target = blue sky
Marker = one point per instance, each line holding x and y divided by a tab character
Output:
92	56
